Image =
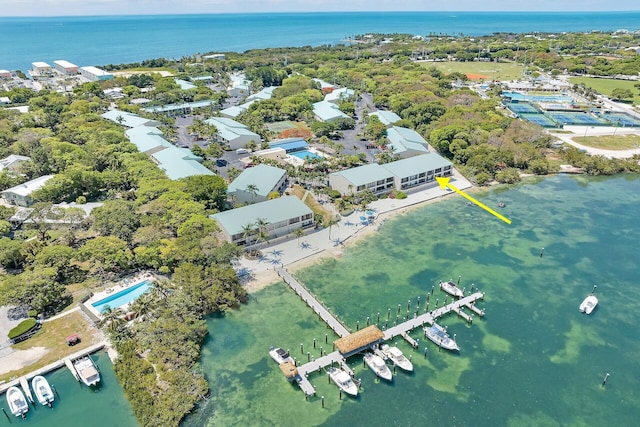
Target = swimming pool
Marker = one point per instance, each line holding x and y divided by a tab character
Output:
305	154
123	297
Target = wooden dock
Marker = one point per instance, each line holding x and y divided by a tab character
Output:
430	317
318	365
25	387
312	302
55	365
72	369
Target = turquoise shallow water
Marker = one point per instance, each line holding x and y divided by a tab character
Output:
533	360
78	405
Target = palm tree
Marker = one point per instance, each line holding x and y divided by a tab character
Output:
247	231
253	189
299	232
262	236
330	222
262	224
113	319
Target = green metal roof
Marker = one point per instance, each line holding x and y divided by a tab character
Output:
365	174
403	139
272	211
417	164
180	163
264	177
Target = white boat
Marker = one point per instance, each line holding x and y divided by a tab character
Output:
395	355
43	391
17	402
377	365
343	381
280	355
451	288
438	335
589	304
87	370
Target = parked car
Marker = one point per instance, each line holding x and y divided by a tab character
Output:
241	151
221	162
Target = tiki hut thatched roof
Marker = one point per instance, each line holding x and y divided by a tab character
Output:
358	340
289	370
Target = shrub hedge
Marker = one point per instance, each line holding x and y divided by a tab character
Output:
24	326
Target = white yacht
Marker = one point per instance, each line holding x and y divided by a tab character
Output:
343	381
451	288
589	304
87	370
395	355
43	391
377	365
438	335
280	355
17	402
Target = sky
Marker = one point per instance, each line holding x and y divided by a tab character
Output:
148	7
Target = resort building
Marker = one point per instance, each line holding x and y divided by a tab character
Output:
387	118
218	56
185	85
40	69
399	175
354	181
339	95
325	87
232	133
5	100
5	74
20	195
282	215
129	120
65	67
12	162
406	142
325	111
418	170
289	145
94	74
265	93
255	184
240	86
180	109
236	110
175	162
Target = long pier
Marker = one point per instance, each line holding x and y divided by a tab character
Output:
315	305
53	366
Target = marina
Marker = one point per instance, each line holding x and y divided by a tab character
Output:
366	341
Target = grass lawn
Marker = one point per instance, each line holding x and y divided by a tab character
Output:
610	142
52	337
490	70
311	202
605	86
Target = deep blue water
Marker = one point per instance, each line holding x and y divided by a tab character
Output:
121	39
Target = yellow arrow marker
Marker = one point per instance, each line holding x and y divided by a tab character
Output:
444	183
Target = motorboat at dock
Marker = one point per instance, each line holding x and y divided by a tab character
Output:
17	402
438	335
377	365
87	370
451	288
279	355
395	355
43	390
343	381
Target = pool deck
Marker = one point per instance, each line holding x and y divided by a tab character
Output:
115	288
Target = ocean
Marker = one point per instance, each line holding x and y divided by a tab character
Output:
123	39
533	360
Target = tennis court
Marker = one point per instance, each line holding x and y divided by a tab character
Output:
522	107
621	119
583	119
539	119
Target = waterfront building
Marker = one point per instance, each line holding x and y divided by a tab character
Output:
40	69
5	74
325	111
95	74
218	56
65	67
387	118
406	142
255	184
20	195
372	177
233	134
282	215
419	170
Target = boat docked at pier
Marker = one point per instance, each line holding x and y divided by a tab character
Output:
43	390
451	288
17	402
343	381
279	355
438	335
377	365
87	370
397	357
589	304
